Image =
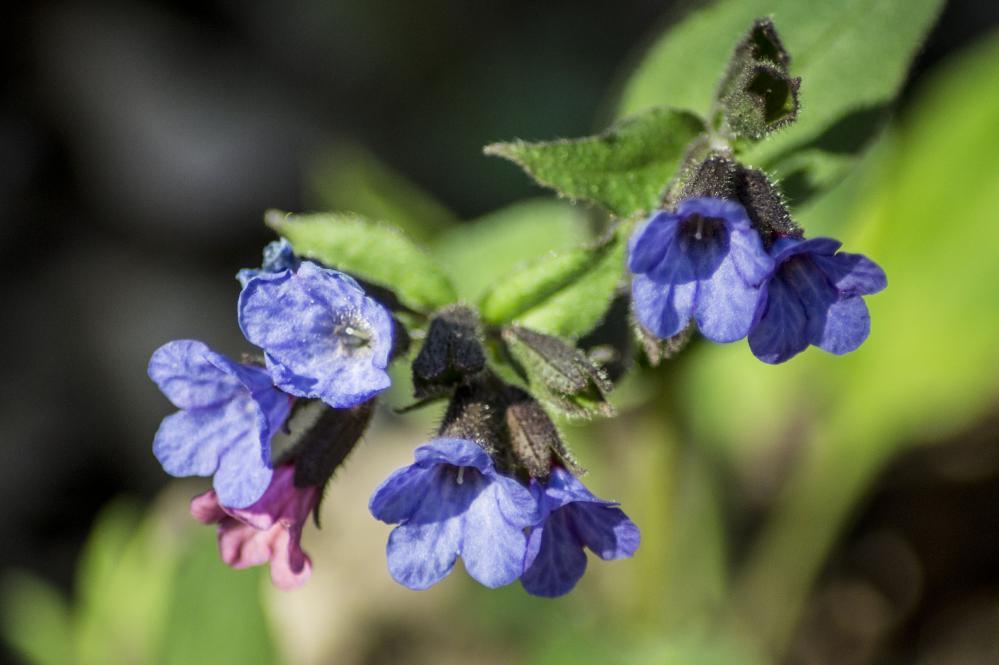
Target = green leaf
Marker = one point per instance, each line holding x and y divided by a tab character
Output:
35	620
215	613
564	294
480	252
376	253
624	169
852	58
350	177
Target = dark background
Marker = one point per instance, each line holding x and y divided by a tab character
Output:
140	143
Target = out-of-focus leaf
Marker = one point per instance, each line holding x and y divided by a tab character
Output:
35	620
565	294
852	58
625	169
350	177
377	253
215	613
122	581
477	254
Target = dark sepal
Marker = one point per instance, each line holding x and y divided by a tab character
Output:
559	372
534	438
765	206
451	352
318	438
476	413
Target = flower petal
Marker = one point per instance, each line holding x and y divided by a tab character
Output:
423	551
188	373
560	561
726	304
852	274
456	452
606	530
400	494
664	309
782	331
290	566
492	548
846	325
648	244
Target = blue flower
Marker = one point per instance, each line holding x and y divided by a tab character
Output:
704	261
322	337
228	413
814	297
572	518
278	256
453	502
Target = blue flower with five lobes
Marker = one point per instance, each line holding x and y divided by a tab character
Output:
704	262
453	502
572	518
322	336
814	296
228	413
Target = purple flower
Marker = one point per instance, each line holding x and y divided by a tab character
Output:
269	530
228	413
704	261
572	518
453	502
278	256
322	337
814	297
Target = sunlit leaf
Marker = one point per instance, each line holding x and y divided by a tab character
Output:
625	169
374	252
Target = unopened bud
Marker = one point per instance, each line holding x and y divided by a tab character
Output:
451	352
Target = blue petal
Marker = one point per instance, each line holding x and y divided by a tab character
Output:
845	326
456	452
518	504
782	330
322	336
751	261
730	211
647	246
726	304
492	548
224	441
423	551
606	530
663	308
560	561
400	494
563	488
189	374
787	247
852	274
278	256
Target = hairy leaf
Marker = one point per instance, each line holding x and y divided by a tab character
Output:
376	253
625	169
564	294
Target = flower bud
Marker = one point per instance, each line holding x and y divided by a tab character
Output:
451	353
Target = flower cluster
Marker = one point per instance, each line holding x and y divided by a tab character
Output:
322	338
453	502
705	263
326	345
497	487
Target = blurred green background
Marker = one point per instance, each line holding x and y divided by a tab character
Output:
829	510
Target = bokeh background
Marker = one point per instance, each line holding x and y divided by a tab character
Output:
849	508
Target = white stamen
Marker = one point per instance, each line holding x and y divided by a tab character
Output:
461	474
700	227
